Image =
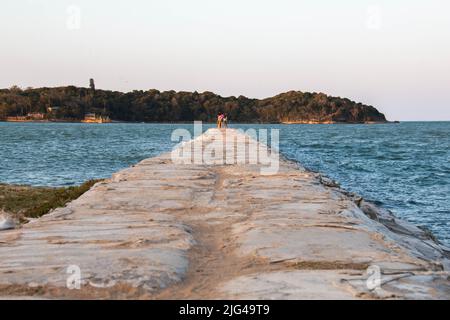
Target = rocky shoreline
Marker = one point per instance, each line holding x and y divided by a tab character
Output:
167	230
418	239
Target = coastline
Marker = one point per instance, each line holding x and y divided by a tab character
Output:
189	122
224	232
291	105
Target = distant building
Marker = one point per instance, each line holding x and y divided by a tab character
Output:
36	116
32	116
93	118
90	117
16	119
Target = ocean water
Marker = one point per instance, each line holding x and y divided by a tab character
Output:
403	167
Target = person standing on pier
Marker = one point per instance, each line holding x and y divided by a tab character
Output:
225	121
219	120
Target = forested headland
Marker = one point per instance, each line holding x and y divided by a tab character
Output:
72	103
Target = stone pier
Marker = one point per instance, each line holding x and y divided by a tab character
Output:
163	229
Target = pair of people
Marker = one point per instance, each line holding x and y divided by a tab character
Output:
222	121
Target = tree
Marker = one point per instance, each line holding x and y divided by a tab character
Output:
15	89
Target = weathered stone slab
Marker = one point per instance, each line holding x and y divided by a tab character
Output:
288	285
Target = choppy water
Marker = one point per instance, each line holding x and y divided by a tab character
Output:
404	167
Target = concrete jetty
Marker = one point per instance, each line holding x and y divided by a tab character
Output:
164	229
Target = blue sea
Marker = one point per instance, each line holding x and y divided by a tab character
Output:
403	167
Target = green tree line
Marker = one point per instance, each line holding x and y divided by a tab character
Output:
72	103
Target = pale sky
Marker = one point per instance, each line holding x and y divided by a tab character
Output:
394	55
